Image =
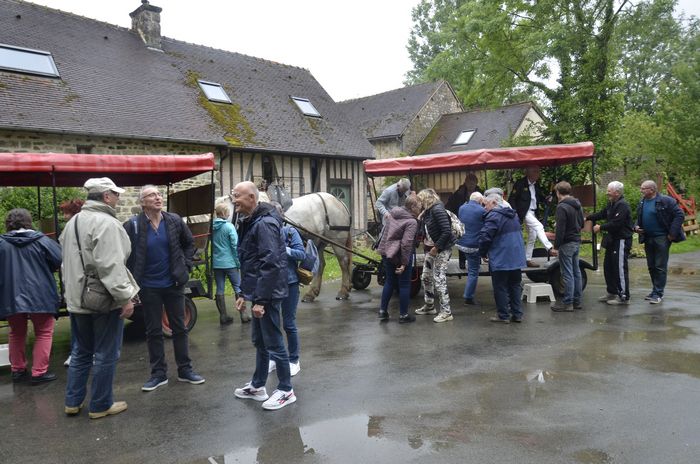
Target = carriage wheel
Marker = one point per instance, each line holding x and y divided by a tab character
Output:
360	278
557	282
190	318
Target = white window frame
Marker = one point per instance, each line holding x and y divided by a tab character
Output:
468	134
302	103
31	51
203	84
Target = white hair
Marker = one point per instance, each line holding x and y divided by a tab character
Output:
475	196
495	198
404	184
650	184
617	186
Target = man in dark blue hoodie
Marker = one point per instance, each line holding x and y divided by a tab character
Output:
263	255
567	243
501	240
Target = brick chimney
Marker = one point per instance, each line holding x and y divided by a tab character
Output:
145	21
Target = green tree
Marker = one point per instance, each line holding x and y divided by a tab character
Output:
28	198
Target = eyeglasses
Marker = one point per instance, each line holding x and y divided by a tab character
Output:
116	194
152	195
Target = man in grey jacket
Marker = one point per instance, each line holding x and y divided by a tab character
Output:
392	196
95	243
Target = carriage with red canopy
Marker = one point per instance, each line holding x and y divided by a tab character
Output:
545	156
194	205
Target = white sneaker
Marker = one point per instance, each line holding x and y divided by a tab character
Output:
279	399
250	393
67	362
272	366
294	368
443	317
425	309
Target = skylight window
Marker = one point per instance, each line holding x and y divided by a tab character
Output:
214	92
464	137
28	61
306	107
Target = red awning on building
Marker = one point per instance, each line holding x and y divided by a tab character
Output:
489	158
72	170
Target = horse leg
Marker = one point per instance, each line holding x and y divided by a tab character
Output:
345	262
315	286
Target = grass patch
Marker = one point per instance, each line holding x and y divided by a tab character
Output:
332	270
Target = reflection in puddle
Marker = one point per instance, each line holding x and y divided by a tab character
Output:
358	438
682	271
592	456
673	362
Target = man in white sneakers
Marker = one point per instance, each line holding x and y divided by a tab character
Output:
263	255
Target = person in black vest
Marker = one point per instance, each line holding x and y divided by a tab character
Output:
617	243
161	260
527	198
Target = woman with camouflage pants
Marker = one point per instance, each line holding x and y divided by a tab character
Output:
438	231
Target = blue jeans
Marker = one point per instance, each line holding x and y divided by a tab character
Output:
657	249
234	276
98	337
473	268
154	301
269	344
401	282
289	320
507	293
570	272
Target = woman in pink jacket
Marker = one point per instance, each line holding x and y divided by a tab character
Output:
397	249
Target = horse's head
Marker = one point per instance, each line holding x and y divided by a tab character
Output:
278	193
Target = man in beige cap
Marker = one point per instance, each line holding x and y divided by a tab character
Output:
95	243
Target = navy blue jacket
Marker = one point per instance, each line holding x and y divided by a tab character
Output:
669	215
295	252
28	260
501	239
263	255
179	239
472	216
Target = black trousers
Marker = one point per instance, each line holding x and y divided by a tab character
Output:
615	267
172	299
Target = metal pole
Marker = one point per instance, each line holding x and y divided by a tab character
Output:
594	240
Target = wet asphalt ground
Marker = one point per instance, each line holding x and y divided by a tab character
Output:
601	385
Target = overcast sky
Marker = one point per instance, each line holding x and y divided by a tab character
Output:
354	48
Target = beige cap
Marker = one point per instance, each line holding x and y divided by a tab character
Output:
101	184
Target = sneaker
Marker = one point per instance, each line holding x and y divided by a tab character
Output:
72	410
248	392
560	307
607	297
279	399
498	319
655	299
43	378
404	318
272	366
618	302
578	305
443	317
20	376
294	368
383	315
531	263
470	302
153	383
190	377
425	309
517	320
67	361
116	408
649	296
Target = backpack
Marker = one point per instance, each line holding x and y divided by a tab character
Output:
311	262
456	225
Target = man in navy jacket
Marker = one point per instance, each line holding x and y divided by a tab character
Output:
659	223
263	255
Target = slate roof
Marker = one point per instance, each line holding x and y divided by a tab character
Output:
492	126
388	114
111	84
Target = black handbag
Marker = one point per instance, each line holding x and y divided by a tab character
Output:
94	296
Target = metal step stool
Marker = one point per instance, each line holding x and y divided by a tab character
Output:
532	291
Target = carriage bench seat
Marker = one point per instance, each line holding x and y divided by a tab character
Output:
532	291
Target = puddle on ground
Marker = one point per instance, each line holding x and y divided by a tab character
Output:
682	271
672	362
358	438
592	456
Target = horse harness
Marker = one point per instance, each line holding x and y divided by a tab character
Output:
328	223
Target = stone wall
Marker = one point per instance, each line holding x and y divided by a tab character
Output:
442	102
38	142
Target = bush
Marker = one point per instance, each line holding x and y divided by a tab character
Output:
27	198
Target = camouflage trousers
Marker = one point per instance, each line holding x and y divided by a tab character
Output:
435	280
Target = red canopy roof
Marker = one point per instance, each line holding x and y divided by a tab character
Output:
39	169
488	158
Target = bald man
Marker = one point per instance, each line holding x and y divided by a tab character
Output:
263	255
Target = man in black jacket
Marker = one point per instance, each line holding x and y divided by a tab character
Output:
527	199
567	242
161	259
263	255
617	243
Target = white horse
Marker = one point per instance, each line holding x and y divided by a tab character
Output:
325	215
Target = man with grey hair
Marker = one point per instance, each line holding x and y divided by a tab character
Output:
392	196
497	191
659	223
617	242
94	243
161	262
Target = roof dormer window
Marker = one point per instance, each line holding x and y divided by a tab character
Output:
214	92
306	107
26	60
464	137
